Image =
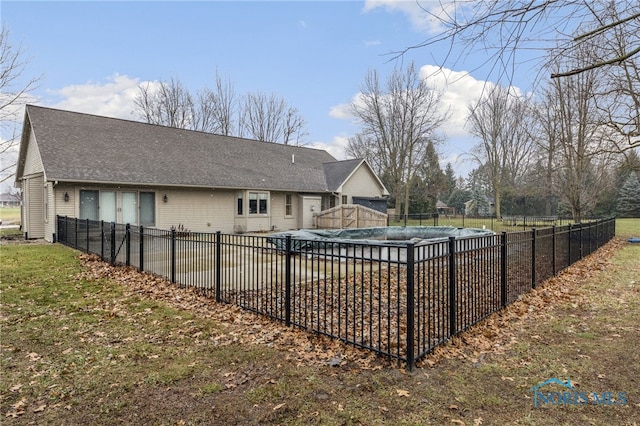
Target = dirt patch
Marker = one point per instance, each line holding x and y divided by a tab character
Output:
18	238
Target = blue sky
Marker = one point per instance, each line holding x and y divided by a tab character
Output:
315	55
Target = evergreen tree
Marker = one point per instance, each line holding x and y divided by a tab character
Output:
480	205
457	199
629	197
427	182
629	164
449	184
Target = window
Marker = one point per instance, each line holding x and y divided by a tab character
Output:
148	208
88	205
46	203
137	207
240	204
130	207
107	206
344	199
288	205
258	202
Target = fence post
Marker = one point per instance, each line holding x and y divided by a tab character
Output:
580	240
141	248
533	257
102	237
569	237
173	255
287	282
218	267
112	246
503	268
452	287
553	251
410	306
128	248
87	237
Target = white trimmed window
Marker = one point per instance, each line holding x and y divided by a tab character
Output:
288	205
258	203
240	203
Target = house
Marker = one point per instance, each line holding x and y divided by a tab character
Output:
485	209
9	200
100	168
445	210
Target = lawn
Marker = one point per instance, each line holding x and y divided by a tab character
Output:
482	223
10	215
85	343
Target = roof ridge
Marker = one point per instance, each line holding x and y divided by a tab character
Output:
160	126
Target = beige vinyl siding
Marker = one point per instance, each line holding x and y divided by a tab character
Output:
362	183
65	208
33	206
195	210
279	220
33	161
50	214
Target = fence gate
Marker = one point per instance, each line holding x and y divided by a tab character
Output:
350	216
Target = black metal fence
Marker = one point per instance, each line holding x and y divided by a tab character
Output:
506	222
398	300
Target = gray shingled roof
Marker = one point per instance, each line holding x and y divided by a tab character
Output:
88	148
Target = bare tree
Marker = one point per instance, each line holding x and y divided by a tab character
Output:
269	118
167	104
499	120
226	106
546	119
584	144
14	90
504	28
214	109
397	122
258	116
172	104
621	95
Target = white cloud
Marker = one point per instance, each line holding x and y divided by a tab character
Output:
341	112
337	147
113	98
424	16
459	89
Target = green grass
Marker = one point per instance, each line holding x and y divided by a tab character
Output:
479	223
626	227
10	215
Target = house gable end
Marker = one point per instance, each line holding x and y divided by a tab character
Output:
352	168
29	158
